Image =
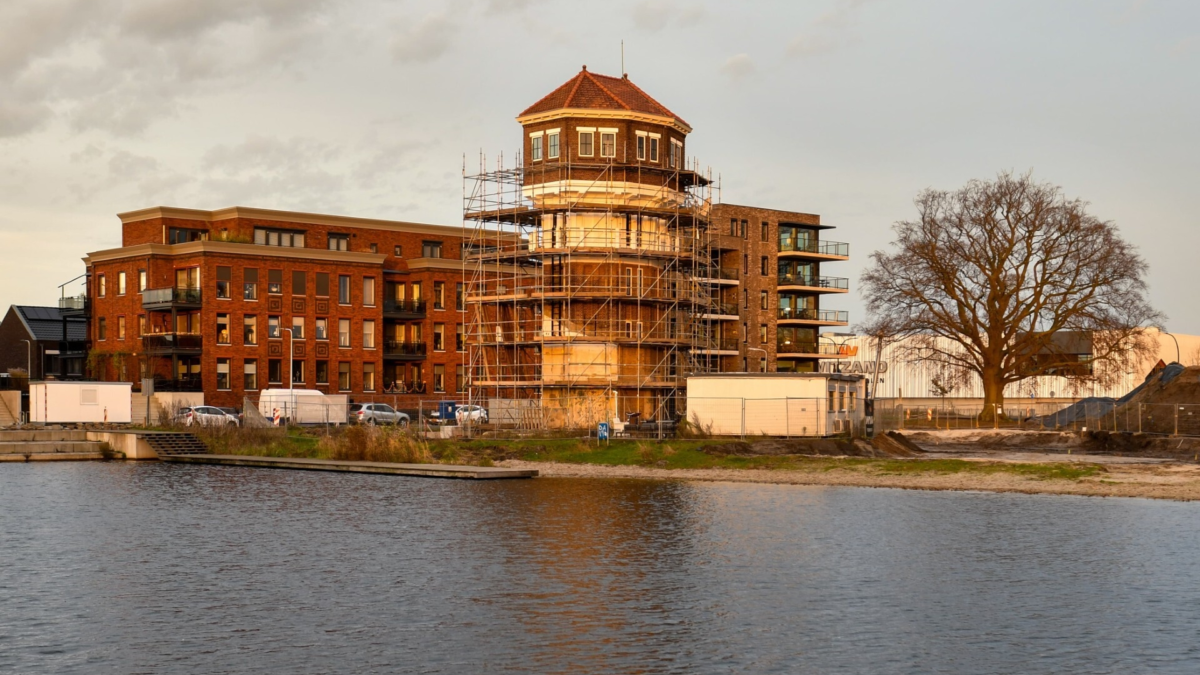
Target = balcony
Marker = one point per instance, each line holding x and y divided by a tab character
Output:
822	317
404	351
172	343
718	344
74	306
717	275
159	299
721	309
404	309
823	250
825	284
811	349
190	383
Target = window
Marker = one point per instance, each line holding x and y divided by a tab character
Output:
250	375
439	337
141	325
762	333
297	372
120	328
608	144
745	333
535	147
250	284
431	249
745	230
298	283
368	292
275	371
458	297
343	289
458	377
628	281
344	376
765	300
374	248
585	143
368	334
120	283
188	277
102	329
297	328
763	266
653	147
322	284
224	275
275	282
284	238
418	335
733	227
416	293
398	252
322	332
439	378
322	372
250	330
101	286
746	298
179	235
339	242
766	231
439	295
223	336
141	280
641	145
223	374
368	377
676	153
343	332
552	144
762	364
273	327
460	339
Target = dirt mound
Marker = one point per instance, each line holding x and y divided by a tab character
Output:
1173	384
826	447
1123	444
993	439
895	445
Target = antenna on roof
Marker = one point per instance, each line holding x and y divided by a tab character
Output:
623	73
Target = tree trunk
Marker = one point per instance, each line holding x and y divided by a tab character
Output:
993	396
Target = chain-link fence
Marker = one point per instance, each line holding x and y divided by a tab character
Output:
776	417
1179	419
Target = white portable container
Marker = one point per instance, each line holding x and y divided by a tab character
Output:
66	402
303	406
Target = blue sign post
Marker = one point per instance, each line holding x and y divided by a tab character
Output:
602	432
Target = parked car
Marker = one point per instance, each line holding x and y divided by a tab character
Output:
472	414
234	412
205	416
379	413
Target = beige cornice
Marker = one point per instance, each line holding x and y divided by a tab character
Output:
605	115
230	248
290	217
454	265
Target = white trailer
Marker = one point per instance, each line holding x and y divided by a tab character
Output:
68	402
303	406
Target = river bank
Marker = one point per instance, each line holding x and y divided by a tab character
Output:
1095	477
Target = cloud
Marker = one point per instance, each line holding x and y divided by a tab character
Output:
828	31
424	40
738	67
655	15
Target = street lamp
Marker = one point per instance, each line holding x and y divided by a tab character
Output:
1176	345
764	353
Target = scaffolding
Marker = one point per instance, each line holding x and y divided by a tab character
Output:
586	289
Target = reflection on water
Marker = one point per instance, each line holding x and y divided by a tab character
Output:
124	568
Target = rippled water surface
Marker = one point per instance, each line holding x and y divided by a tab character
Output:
149	568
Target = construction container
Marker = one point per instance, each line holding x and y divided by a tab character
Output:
80	402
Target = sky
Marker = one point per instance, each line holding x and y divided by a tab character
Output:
371	108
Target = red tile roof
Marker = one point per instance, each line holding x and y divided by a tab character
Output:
600	92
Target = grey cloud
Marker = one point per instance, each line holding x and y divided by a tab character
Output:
268	154
655	15
424	40
828	31
738	66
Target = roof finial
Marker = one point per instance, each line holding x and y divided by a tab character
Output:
585	66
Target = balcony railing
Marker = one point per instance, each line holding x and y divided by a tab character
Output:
166	297
729	344
404	349
723	273
796	244
822	315
171	342
808	348
410	308
836	283
723	308
73	305
192	383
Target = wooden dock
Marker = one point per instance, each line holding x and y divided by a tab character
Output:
424	470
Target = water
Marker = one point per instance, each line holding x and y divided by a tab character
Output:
149	568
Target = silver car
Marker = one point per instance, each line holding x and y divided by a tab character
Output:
380	413
205	416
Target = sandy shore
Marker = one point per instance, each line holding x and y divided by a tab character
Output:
1122	477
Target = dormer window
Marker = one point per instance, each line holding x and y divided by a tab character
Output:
586	140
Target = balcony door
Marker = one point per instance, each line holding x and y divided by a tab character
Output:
188	277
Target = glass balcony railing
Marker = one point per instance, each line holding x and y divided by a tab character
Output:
835	283
411	349
160	342
821	247
807	348
170	296
822	315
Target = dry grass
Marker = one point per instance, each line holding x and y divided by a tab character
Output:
377	444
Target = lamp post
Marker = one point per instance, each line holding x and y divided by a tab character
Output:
764	353
1176	346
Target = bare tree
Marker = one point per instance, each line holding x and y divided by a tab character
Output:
992	278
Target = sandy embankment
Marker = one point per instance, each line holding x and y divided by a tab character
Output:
1161	480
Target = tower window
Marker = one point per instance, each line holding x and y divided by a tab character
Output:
586	139
608	144
535	148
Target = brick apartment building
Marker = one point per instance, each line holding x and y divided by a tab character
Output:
213	301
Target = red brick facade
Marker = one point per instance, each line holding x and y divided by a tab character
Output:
409	343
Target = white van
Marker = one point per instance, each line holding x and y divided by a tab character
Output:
302	406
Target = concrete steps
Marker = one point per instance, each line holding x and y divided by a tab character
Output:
49	444
169	444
